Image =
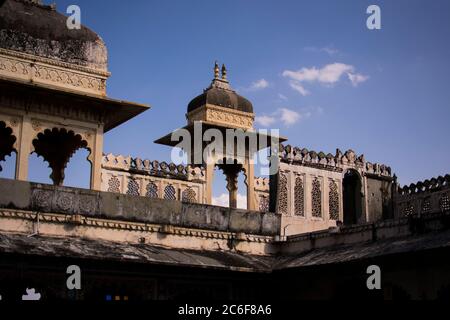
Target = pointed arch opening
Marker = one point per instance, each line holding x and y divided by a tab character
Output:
352	197
57	147
7	152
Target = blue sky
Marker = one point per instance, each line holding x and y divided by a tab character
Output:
162	53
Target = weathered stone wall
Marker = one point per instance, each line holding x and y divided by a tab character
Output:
309	189
379	199
72	201
423	197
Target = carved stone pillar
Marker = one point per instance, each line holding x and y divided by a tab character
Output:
209	172
24	148
250	182
232	187
96	161
231	172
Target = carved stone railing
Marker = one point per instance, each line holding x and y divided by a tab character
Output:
145	178
424	197
295	155
153	168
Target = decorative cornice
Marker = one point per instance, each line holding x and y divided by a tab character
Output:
56	63
81	220
25	67
221	115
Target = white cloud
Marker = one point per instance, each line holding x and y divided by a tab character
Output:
327	75
223	201
299	88
265	121
259	84
288	117
357	78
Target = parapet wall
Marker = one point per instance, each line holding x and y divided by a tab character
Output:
71	201
423	197
338	162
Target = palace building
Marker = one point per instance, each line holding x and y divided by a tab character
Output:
147	229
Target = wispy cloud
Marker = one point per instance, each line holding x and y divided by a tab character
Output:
357	78
299	88
287	117
327	75
330	50
265	120
282	97
259	85
223	201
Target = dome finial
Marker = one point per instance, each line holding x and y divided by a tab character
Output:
224	72
216	70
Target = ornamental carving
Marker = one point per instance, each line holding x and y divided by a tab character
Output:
316	198
169	193
333	201
47	73
87	204
42	199
14	122
189	196
133	188
444	202
426	205
282	194
114	185
299	197
36	125
64	202
152	190
408	209
264	204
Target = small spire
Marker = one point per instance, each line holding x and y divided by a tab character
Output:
216	71
224	72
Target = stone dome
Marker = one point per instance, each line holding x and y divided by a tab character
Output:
30	27
222	98
220	94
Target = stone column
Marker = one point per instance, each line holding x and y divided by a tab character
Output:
209	172
233	190
250	182
24	147
96	162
